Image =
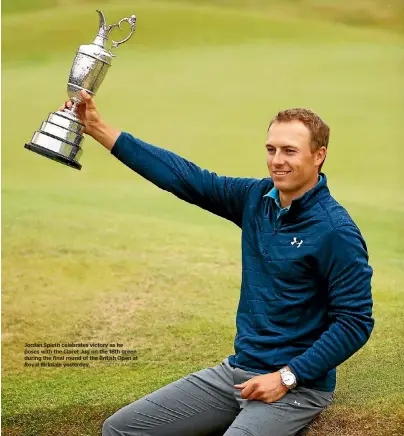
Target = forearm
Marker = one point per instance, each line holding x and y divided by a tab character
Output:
162	167
104	134
334	346
223	196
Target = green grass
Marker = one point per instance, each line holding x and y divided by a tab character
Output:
374	13
102	255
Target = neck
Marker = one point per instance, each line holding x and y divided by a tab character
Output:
286	198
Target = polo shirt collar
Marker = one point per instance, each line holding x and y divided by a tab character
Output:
274	194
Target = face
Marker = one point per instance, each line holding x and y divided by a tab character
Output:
292	164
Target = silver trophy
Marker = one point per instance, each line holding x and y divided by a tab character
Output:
59	137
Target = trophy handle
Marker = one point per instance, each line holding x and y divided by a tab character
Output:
132	22
104	31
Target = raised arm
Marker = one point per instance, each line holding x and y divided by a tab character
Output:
223	196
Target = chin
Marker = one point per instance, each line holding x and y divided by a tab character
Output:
284	186
280	184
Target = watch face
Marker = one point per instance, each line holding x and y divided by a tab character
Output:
288	379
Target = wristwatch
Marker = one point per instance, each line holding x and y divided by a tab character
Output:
288	379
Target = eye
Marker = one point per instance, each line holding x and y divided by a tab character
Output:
270	149
290	151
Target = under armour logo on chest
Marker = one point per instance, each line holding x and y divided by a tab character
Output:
296	242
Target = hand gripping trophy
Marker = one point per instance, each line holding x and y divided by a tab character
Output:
59	137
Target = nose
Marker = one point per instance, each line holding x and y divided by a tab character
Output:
278	159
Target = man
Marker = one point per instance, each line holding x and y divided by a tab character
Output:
305	304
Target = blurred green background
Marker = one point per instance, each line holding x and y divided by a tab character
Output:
102	255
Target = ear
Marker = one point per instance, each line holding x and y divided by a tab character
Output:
321	154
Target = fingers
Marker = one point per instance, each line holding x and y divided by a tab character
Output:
67	105
88	100
255	395
81	109
249	389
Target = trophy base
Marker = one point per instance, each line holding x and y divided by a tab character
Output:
59	139
53	155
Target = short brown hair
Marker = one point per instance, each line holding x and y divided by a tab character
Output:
319	130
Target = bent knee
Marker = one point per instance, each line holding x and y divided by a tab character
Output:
108	427
123	422
114	426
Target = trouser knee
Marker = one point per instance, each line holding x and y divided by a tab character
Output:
107	428
113	427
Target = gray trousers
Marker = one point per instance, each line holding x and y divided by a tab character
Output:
205	403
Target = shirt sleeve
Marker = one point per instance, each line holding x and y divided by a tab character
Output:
347	274
223	196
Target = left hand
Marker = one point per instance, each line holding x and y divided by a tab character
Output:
267	388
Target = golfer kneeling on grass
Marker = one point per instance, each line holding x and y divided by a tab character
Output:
305	303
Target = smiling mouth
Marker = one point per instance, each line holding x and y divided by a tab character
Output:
280	173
